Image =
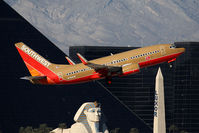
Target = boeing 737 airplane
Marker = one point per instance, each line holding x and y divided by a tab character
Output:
121	64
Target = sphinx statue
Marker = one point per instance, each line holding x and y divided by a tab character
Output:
88	118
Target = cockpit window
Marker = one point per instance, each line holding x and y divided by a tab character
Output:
172	46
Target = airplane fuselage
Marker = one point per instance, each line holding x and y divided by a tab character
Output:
130	62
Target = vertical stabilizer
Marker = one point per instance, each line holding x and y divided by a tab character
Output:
37	65
159	125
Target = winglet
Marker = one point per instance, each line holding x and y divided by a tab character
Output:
70	61
83	60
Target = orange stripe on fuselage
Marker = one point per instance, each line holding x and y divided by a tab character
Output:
32	70
37	73
39	67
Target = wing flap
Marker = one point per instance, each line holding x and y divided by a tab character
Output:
103	69
98	67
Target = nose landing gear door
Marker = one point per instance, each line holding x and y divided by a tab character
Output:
162	50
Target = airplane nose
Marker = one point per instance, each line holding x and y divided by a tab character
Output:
182	50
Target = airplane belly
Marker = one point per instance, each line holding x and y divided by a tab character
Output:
158	60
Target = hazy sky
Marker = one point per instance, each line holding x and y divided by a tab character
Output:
112	22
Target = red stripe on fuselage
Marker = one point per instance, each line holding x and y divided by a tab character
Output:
35	64
158	60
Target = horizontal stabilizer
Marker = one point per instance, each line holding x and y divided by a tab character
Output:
33	77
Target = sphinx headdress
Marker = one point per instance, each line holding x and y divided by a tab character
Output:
80	116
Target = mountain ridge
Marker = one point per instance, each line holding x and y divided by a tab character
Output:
111	23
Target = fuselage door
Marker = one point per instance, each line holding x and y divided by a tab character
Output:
162	50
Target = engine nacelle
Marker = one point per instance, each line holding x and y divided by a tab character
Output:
130	69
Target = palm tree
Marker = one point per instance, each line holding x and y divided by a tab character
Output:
43	128
62	126
173	129
21	130
183	131
28	129
134	130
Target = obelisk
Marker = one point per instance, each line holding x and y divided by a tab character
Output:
159	125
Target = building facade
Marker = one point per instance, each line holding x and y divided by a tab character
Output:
136	91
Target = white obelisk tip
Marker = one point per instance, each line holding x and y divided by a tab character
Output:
159	74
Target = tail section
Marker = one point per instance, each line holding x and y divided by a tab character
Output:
36	64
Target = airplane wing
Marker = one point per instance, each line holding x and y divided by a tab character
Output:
103	69
99	67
